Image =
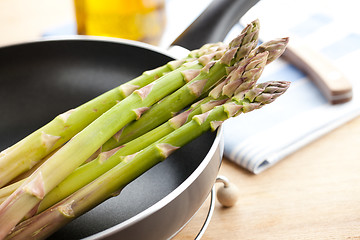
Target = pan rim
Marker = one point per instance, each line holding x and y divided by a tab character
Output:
168	198
166	52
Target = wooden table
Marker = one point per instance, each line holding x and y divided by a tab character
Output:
308	195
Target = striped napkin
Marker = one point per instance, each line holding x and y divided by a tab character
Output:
259	139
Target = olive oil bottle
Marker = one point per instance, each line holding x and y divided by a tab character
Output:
141	20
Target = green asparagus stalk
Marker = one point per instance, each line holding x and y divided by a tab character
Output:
274	47
244	77
25	154
132	166
90	171
85	143
240	47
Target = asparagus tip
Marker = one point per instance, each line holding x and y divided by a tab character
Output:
275	47
228	56
231	108
211	104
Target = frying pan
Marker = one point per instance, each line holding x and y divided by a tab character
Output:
39	80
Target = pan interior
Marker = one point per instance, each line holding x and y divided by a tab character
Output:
40	80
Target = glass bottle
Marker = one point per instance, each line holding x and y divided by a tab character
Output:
141	20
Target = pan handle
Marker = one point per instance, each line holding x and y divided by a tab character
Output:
228	199
214	23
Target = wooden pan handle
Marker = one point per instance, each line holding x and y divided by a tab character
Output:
331	82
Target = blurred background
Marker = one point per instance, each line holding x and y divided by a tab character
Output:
157	22
313	193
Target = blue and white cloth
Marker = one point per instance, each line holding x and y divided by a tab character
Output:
259	139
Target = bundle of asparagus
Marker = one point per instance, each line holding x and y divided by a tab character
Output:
133	128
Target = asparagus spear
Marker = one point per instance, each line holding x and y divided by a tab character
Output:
25	154
187	95
132	166
86	142
161	111
240	47
90	171
244	77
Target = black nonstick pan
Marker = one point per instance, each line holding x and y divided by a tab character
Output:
39	80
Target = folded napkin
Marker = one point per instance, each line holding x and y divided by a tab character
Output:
259	139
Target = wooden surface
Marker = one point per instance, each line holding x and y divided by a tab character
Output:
312	194
308	195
